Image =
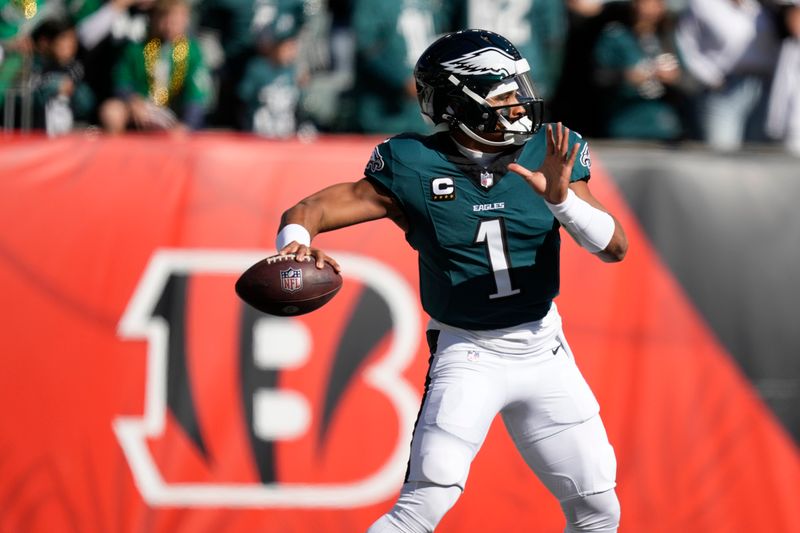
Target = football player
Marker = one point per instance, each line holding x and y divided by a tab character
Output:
482	201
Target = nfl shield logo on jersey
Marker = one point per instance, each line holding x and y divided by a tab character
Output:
292	279
487	179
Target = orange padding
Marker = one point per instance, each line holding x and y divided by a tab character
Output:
93	338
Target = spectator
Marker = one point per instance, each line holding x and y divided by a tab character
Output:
104	33
17	20
341	36
637	64
327	53
538	28
114	18
235	24
577	100
163	83
783	119
61	94
730	47
269	88
390	36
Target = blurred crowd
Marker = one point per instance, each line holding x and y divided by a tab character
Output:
723	72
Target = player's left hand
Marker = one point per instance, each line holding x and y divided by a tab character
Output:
552	179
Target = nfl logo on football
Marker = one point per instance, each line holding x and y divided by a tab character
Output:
292	279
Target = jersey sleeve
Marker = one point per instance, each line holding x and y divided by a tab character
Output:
380	166
583	163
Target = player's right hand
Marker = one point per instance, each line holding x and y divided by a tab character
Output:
300	251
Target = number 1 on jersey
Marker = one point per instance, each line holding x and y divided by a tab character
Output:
492	233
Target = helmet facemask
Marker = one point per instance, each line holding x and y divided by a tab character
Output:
509	107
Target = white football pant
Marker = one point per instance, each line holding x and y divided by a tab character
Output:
550	413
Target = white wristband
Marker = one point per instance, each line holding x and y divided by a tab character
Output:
592	228
292	233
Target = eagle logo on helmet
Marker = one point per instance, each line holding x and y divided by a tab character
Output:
484	61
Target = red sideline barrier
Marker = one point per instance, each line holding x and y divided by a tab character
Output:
138	393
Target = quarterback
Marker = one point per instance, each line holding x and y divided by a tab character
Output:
482	201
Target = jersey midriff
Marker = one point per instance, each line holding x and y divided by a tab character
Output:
523	340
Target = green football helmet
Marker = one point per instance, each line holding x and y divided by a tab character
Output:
472	80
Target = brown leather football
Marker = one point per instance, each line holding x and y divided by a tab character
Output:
280	285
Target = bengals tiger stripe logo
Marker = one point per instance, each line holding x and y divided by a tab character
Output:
244	409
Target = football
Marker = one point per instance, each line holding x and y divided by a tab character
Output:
283	286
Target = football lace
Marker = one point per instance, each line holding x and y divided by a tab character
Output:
286	257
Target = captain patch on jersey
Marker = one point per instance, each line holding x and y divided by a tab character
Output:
443	188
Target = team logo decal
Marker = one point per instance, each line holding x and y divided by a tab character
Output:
375	163
443	189
227	388
484	61
586	160
292	279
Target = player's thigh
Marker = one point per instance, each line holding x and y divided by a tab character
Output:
574	462
463	396
548	396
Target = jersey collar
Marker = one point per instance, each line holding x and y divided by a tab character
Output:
477	173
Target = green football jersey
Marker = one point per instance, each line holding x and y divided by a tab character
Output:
488	245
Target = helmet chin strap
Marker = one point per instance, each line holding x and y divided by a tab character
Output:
510	135
509	138
519	137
